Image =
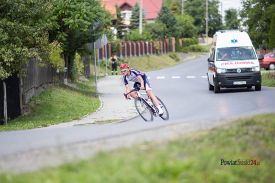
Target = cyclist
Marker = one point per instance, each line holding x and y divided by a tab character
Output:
135	76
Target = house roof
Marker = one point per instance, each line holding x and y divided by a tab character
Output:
151	7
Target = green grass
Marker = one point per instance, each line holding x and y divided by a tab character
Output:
149	62
154	62
55	105
268	79
193	158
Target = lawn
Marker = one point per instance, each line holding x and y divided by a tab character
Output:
150	62
57	104
268	79
198	157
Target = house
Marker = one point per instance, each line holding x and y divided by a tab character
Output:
151	9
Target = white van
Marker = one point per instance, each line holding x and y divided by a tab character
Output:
233	62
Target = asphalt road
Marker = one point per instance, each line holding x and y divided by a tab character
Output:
183	89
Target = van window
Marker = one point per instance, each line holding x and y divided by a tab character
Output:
236	53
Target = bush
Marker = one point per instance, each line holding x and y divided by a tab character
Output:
115	46
78	67
190	41
193	48
55	53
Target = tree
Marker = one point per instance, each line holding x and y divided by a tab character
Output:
257	15
231	19
158	30
134	35
75	23
168	19
135	17
272	33
23	33
119	23
185	27
196	9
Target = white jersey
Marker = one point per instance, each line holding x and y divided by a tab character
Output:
133	77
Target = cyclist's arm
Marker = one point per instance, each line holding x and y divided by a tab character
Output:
127	90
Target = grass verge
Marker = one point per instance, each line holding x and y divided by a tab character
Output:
154	62
150	62
57	104
268	79
194	158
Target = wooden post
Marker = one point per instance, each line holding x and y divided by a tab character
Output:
5	104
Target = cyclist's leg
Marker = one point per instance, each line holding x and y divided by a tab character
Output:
151	95
133	95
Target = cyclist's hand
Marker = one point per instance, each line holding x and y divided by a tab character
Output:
128	97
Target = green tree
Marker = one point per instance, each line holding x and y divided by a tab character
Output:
168	19
75	23
135	17
231	19
185	27
272	33
158	30
23	33
119	23
135	36
196	9
257	15
175	6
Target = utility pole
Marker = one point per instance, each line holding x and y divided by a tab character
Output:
206	21
182	5
5	103
140	16
222	12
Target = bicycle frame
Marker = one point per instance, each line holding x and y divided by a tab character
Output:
153	110
140	97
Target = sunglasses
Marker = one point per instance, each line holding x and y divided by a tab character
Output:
123	71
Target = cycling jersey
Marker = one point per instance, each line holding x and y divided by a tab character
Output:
133	77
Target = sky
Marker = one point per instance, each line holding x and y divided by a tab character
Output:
226	4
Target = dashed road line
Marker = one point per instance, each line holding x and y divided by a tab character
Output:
175	77
190	77
160	77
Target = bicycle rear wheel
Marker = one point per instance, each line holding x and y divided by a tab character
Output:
143	109
165	115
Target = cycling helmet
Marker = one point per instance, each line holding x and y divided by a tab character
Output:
124	66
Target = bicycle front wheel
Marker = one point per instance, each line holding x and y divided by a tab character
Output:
143	109
165	115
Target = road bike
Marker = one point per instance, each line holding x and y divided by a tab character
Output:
146	108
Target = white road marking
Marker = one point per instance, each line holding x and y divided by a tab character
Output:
160	77
175	77
204	77
190	77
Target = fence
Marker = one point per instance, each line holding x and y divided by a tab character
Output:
12	96
37	77
130	49
19	91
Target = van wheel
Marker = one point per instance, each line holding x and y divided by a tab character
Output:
217	88
271	67
249	87
258	87
210	87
